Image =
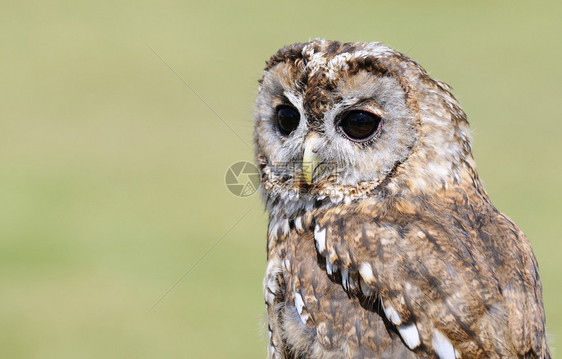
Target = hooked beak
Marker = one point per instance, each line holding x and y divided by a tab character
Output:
310	160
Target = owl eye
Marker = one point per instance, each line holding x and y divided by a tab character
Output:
359	126
287	119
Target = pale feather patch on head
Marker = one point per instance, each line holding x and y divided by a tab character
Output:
337	64
316	62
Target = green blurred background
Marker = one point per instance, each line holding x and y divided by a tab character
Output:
112	170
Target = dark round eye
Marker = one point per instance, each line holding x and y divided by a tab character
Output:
287	119
359	126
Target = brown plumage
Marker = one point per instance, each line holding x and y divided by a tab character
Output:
382	242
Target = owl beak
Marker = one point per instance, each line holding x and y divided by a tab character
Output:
310	160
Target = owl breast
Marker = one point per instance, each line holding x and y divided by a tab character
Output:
320	319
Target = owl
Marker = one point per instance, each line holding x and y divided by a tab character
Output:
382	242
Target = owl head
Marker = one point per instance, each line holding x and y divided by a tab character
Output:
344	121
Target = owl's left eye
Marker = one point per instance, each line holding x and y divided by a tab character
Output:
359	126
288	119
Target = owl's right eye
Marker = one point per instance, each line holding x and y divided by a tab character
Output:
287	119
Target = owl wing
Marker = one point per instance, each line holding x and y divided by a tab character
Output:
451	284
